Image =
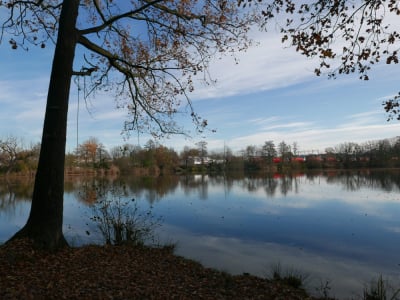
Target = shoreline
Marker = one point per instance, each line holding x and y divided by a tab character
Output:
124	272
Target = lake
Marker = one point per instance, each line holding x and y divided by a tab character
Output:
338	229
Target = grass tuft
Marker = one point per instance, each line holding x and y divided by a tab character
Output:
290	276
379	289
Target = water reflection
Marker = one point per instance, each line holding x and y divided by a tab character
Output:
153	189
341	226
13	191
388	181
198	184
89	189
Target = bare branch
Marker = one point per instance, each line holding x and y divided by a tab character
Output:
114	19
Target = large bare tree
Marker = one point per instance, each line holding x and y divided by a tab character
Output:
145	52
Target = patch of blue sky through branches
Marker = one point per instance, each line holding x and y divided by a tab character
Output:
269	93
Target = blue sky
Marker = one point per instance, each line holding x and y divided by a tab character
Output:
272	94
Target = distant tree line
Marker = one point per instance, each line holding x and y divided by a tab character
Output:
154	158
383	153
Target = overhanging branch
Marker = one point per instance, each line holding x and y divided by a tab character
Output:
85	71
116	18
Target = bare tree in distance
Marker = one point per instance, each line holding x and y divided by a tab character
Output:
144	52
9	150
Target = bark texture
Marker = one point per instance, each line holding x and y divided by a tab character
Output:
44	225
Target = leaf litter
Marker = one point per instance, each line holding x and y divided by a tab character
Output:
123	272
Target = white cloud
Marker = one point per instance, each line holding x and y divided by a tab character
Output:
311	136
361	119
262	121
265	66
33	113
292	125
115	114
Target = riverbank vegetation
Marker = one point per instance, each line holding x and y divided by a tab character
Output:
92	157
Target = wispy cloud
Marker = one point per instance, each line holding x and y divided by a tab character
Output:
293	126
267	69
115	114
264	121
386	97
265	66
361	119
312	136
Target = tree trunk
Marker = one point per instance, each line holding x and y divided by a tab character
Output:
44	225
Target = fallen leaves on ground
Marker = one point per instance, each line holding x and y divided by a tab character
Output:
123	272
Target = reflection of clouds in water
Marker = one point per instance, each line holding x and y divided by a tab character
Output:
10	223
347	277
393	229
248	224
311	195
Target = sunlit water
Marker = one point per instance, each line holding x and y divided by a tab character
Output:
338	230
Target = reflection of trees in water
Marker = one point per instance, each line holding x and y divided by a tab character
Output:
88	190
351	182
251	182
152	188
199	183
385	180
286	184
196	184
155	188
270	184
389	182
12	192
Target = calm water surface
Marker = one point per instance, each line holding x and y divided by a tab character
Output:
341	228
